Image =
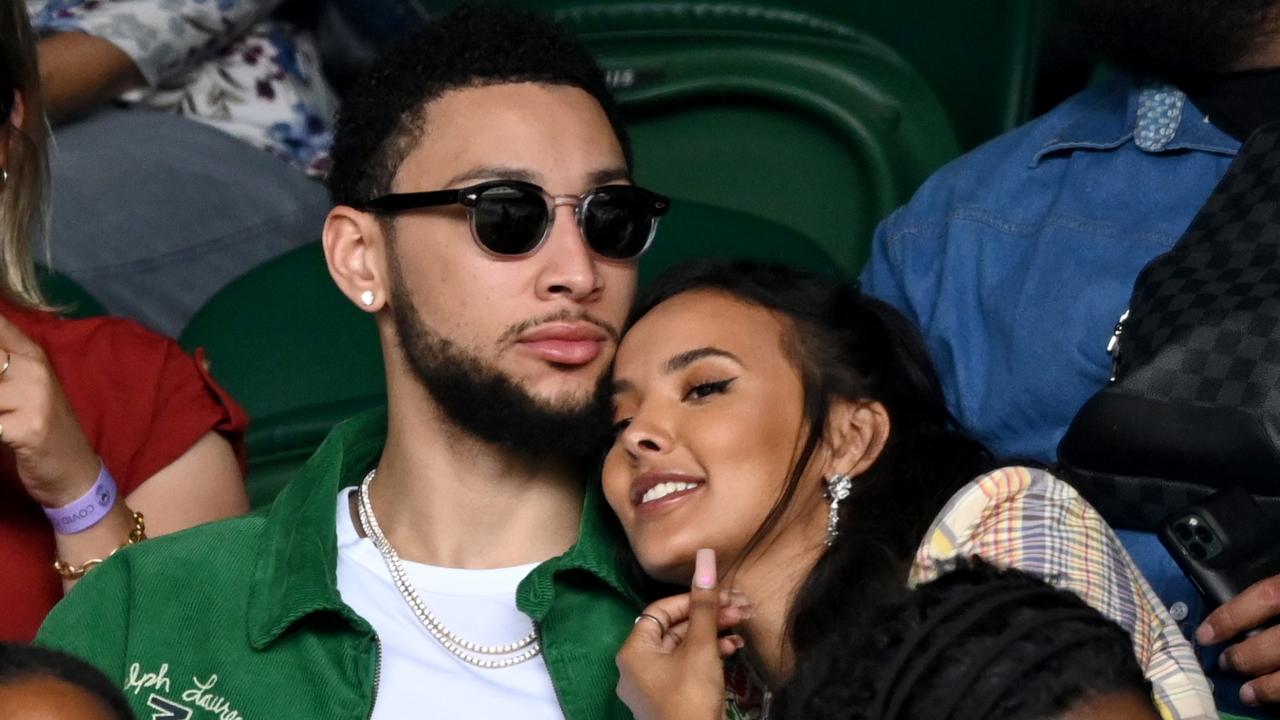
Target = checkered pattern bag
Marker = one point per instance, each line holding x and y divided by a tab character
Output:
1194	404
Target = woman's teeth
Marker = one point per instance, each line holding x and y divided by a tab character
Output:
661	490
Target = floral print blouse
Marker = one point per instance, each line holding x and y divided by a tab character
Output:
226	63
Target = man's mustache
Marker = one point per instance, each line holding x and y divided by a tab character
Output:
511	334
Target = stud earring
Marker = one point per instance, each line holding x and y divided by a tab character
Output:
4	178
366	297
838	488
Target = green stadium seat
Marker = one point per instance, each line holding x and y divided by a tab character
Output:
300	357
979	56
805	121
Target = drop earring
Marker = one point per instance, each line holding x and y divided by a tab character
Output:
366	297
838	488
4	178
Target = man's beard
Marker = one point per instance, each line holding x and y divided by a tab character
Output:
1177	41
484	402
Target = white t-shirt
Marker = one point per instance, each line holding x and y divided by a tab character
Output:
420	679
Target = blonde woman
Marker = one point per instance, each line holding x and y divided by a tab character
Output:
109	433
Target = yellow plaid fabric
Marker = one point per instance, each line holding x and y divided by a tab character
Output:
1031	520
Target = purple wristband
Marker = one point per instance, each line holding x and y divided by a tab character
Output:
87	510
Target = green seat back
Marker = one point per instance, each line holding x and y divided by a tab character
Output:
809	123
295	353
978	56
300	357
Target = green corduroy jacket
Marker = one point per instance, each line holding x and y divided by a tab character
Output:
242	618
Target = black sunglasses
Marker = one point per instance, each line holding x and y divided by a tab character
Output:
511	218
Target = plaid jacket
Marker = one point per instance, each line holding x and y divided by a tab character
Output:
1031	520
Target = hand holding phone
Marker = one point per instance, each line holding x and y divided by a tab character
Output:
1229	547
1224	544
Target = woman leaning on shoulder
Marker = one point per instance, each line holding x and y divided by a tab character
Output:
794	429
109	433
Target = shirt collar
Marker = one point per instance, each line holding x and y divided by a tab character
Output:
1157	119
295	574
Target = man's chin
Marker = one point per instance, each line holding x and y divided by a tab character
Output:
560	388
562	401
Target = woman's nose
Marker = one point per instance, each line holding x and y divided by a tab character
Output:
645	437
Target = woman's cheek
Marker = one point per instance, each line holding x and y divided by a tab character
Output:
613	481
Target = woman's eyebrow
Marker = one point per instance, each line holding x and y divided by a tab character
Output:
675	363
688	357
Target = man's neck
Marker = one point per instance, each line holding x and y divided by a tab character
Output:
444	497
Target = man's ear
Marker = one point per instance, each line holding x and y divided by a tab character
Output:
856	435
356	253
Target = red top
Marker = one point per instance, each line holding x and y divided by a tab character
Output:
141	401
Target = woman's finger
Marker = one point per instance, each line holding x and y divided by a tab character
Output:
649	631
704	603
675	609
730	645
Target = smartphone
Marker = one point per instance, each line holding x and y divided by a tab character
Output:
1223	544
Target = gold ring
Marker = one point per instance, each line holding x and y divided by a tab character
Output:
8	357
641	616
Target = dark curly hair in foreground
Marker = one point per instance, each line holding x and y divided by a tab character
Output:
27	662
976	643
381	118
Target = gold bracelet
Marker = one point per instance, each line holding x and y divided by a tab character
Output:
136	535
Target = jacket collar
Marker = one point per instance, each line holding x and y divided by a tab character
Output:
601	552
1156	119
295	574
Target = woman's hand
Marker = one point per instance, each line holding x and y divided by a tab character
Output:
54	459
672	665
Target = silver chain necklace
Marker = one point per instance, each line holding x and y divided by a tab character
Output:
501	656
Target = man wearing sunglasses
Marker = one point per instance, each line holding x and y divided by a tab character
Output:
444	557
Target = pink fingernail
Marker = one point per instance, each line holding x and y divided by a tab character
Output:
704	569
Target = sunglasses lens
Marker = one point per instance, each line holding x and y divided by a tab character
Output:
509	220
618	221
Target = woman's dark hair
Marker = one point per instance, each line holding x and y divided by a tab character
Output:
850	346
976	644
27	662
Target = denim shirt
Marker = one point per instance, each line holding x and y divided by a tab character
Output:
1016	261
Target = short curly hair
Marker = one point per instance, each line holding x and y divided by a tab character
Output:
977	642
28	662
381	117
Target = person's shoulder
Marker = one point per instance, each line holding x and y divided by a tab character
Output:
91	338
994	173
176	583
220	552
1016	481
105	349
1004	492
